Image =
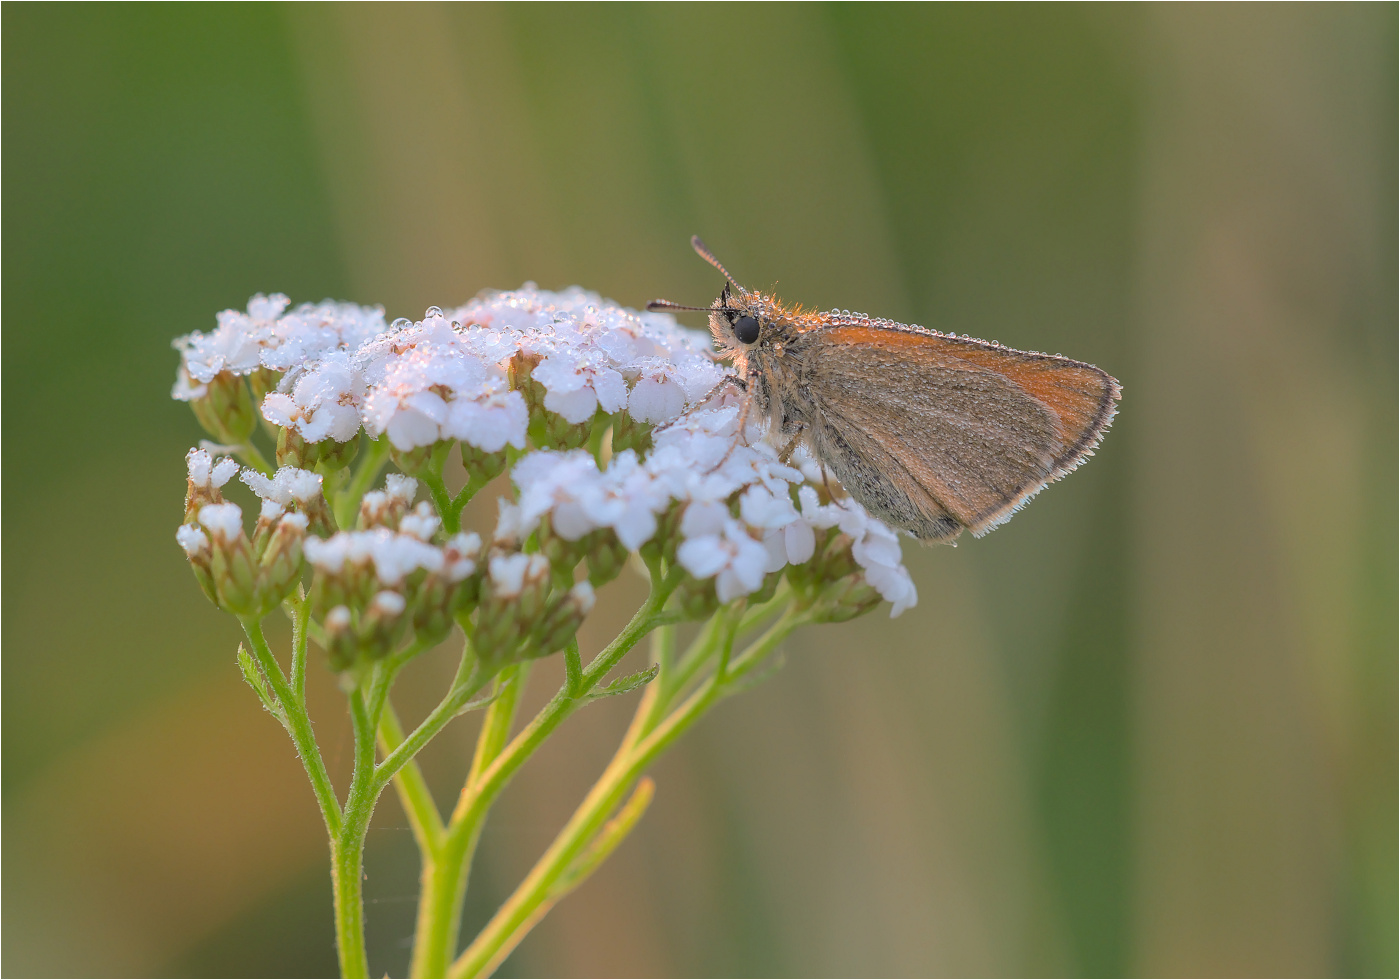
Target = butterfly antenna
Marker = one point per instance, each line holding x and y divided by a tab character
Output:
708	256
666	304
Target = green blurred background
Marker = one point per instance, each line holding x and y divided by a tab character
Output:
1149	727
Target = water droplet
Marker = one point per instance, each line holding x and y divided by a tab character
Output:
432	313
402	323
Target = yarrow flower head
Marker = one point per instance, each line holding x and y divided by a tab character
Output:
619	437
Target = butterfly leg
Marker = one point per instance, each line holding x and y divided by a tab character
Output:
785	456
727	382
741	428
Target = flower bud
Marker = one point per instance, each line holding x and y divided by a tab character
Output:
513	595
454	586
333	456
342	573
197	549
206	476
422	523
412	461
383	623
695	598
844	599
294	450
281	562
261	382
324	457
662	545
628	433
268	517
231	558
767	590
385	508
340	637
547	429
226	410
560	621
563	554
831	561
293	487
606	559
482	467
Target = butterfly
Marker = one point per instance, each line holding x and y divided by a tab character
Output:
932	433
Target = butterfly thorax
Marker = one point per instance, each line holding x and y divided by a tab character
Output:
776	366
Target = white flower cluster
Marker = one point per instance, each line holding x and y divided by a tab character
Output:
445	376
697	463
394	555
284	488
457	375
267	336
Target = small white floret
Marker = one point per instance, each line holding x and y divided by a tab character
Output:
293	523
511	573
387	603
223	521
192	539
224	470
736	561
287	486
422	523
401	488
200	466
338	619
583	597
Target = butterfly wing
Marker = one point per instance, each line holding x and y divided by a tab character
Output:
937	433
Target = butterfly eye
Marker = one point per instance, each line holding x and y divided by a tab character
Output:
746	329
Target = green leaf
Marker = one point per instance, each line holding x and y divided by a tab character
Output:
480	702
629	683
253	674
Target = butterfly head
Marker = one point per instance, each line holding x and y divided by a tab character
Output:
738	318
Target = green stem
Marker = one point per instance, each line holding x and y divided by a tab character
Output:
760	649
447	866
412	789
690	662
348	847
347	501
573	668
301	616
452	519
450	707
492	770
663	647
431	475
584	841
299	725
347	858
495	727
542	885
